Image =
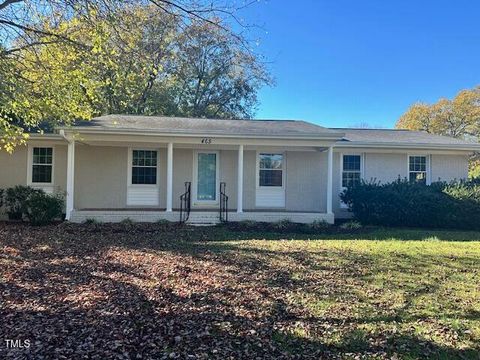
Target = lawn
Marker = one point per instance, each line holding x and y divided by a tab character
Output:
164	291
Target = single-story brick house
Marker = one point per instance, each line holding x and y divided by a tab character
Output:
115	167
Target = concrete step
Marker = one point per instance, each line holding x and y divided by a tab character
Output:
203	218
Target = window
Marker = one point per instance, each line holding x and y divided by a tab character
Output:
271	170
144	167
417	169
42	163
351	172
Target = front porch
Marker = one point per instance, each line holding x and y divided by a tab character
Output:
142	178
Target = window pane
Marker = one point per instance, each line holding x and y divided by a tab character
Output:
42	174
350	178
271	161
351	162
42	155
418	163
144	175
270	177
420	177
207	177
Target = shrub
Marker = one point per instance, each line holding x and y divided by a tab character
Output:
91	221
127	222
43	208
351	225
1	197
320	225
163	222
284	224
403	203
16	200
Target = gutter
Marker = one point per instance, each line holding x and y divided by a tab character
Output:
88	130
353	144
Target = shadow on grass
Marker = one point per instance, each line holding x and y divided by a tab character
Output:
101	291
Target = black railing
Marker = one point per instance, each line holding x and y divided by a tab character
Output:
185	203
223	203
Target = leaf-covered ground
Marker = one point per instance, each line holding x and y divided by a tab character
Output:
161	291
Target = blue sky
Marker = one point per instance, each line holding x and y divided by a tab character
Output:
345	62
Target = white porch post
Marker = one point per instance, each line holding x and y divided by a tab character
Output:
70	179
240	180
330	180
169	177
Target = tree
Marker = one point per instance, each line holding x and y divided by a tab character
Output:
120	57
459	118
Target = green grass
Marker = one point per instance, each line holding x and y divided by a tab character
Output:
374	293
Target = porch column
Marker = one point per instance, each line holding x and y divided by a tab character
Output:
70	179
169	177
329	179
240	180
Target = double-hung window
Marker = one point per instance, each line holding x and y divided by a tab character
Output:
271	167
352	170
42	165
417	169
144	167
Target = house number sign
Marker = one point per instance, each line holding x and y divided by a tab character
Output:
206	141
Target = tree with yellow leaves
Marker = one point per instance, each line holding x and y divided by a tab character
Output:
459	117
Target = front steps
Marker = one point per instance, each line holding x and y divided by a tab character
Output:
201	218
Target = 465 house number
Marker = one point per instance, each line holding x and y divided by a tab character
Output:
206	141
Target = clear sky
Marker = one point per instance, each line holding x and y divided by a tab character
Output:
345	62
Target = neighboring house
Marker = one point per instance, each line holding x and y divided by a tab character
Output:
116	167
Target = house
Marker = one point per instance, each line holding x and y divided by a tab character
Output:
149	168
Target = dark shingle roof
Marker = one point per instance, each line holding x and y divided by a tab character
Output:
394	136
208	126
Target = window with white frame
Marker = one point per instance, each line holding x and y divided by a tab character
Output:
144	167
417	169
42	165
352	170
271	170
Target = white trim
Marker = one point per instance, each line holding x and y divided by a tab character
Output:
428	170
155	188
284	168
330	180
195	201
47	187
362	171
70	207
267	197
240	180
169	177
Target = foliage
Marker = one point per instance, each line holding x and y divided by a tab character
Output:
351	225
320	225
16	200
127	222
137	59
403	203
43	208
1	197
459	117
91	221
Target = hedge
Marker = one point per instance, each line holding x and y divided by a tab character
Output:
404	203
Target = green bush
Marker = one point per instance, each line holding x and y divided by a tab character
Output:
404	203
351	225
320	225
43	208
16	200
1	197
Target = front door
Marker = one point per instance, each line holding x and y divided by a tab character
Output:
206	177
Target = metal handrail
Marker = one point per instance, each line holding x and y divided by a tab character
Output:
223	203
185	203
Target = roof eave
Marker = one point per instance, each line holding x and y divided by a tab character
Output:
356	144
153	132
